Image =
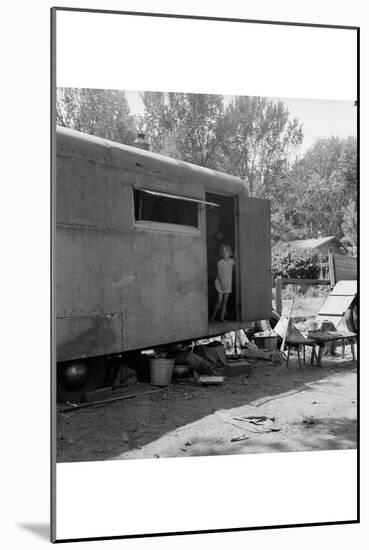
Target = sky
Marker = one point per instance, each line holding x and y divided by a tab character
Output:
320	118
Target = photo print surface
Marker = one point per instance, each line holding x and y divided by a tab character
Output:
205	249
181	221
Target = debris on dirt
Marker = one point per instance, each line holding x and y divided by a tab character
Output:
206	416
73	407
237	367
239	438
98	395
252	353
213	353
124	376
194	362
257	424
188	443
189	395
256	419
211	380
308	421
266	423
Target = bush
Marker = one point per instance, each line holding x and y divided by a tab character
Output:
296	263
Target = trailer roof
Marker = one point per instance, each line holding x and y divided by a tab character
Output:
118	154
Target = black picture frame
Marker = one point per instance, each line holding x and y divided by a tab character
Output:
53	13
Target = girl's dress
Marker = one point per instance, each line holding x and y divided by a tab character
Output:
225	268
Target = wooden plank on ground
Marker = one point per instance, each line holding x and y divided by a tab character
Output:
104	401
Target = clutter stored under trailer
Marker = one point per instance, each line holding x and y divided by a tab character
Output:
136	250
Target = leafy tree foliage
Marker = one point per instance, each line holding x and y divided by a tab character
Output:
258	139
104	113
318	192
185	126
298	263
156	122
349	227
251	138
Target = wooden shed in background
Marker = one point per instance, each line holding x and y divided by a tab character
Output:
322	244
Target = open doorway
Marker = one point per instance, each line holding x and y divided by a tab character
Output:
220	230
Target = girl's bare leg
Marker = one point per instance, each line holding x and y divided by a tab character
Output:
224	306
217	306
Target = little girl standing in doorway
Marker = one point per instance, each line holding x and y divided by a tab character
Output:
223	282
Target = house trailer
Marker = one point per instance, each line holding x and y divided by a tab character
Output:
137	242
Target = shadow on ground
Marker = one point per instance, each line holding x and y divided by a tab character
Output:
100	433
328	434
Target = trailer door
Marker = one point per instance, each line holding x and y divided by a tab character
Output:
254	259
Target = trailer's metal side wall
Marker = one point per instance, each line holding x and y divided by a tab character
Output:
121	287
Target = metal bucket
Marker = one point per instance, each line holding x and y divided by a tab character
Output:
161	370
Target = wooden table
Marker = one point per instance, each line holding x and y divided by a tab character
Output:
322	338
298	343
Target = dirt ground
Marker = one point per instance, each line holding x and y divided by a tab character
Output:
304	307
296	409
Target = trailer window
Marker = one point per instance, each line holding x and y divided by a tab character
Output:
163	209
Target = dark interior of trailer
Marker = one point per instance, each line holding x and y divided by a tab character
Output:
162	209
220	230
